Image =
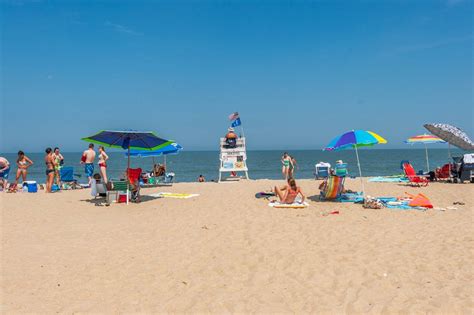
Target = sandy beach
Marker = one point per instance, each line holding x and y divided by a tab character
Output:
227	252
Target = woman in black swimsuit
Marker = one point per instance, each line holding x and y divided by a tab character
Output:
48	160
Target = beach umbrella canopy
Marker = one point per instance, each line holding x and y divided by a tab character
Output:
128	140
355	139
172	148
425	139
451	134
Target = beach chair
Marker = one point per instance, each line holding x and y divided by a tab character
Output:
444	173
340	170
413	179
130	187
321	171
66	175
332	188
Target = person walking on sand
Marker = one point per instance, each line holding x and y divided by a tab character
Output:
49	161
285	161
23	163
4	172
103	157
88	157
58	162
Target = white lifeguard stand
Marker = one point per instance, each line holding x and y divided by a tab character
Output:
233	159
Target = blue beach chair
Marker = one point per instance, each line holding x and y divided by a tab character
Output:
66	174
341	170
321	172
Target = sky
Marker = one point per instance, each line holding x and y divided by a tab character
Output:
298	72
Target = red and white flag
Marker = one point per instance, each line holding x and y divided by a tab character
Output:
234	116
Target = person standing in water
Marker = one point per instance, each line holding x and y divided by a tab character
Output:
58	162
103	157
23	163
285	161
292	167
49	161
88	157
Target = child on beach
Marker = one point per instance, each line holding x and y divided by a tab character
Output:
23	163
289	193
88	157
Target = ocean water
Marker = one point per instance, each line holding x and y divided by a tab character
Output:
188	165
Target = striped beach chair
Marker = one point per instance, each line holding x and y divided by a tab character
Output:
332	188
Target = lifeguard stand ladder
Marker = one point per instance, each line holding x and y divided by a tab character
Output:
233	159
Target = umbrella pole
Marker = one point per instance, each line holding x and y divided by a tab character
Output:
427	160
128	171
360	172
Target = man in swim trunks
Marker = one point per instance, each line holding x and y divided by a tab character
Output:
88	157
4	171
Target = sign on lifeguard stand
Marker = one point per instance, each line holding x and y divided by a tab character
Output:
233	160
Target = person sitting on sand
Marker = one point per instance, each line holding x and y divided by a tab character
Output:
289	193
158	170
201	179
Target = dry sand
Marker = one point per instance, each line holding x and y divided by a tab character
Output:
227	252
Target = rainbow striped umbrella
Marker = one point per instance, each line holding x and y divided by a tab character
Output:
425	139
355	139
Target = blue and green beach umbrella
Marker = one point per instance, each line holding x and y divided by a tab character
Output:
128	140
355	139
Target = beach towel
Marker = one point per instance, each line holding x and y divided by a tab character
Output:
389	179
352	197
295	205
421	200
173	195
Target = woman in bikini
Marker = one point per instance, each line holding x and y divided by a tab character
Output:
289	193
23	163
286	161
58	162
103	157
49	161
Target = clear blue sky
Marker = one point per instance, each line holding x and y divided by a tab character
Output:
299	72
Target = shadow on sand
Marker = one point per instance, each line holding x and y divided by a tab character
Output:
101	201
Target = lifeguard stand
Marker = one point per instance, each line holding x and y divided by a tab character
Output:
233	159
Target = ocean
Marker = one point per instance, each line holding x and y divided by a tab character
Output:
188	165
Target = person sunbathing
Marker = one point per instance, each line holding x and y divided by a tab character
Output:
289	193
